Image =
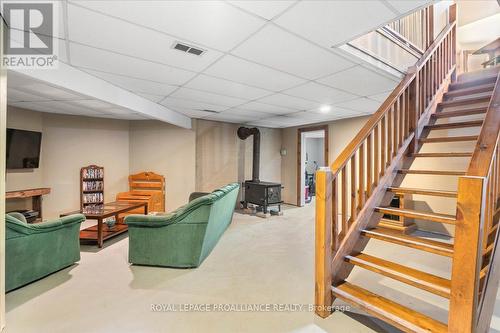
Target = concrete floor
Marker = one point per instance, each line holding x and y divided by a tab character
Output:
257	261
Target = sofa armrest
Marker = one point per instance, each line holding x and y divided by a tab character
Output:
196	195
58	223
153	221
18	216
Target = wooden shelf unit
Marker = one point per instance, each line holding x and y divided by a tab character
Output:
91	186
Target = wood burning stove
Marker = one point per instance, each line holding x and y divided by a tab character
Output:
260	193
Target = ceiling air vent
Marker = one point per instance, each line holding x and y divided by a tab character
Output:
188	48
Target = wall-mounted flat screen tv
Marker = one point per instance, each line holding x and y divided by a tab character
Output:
23	149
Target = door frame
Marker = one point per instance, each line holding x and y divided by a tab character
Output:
299	151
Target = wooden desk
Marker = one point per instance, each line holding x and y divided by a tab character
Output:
34	193
98	232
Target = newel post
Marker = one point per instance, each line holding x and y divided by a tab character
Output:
325	228
467	255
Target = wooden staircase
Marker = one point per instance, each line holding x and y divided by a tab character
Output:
354	196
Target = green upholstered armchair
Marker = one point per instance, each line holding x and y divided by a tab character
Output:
36	250
184	237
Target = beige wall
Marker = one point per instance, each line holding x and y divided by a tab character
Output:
204	158
167	150
340	133
68	143
222	158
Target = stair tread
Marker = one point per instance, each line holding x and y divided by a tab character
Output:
422	280
459	113
471	83
439	193
459	124
465	101
472	90
410	213
398	315
427	245
432	172
452	154
449	139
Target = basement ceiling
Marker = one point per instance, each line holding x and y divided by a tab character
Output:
265	63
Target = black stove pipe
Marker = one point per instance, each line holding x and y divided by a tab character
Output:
245	132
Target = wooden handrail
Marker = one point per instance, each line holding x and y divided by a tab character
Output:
484	151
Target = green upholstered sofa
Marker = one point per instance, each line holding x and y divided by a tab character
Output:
184	237
36	250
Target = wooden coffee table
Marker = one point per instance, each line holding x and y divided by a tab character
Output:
101	232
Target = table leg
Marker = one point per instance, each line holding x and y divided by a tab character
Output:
99	232
146	209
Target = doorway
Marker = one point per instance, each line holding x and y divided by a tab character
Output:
312	153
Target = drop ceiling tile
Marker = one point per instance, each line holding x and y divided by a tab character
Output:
225	87
265	108
362	104
106	33
407	5
281	120
48	91
56	107
253	115
266	9
119	111
380	97
319	93
191	105
206	97
276	48
15	95
290	102
230	118
330	23
36	106
210	23
134	85
242	71
104	61
360	80
92	104
190	112
151	97
129	116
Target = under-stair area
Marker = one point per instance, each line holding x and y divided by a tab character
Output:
407	216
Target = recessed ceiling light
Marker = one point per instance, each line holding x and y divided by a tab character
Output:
325	108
